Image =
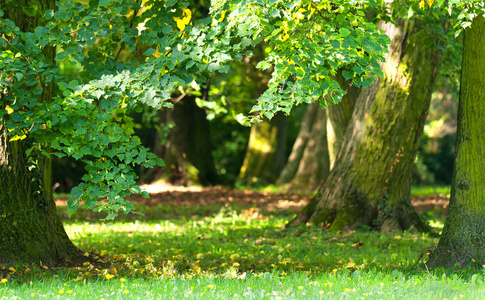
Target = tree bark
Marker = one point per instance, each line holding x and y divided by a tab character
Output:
339	117
463	237
31	231
308	163
188	153
317	145
370	182
266	153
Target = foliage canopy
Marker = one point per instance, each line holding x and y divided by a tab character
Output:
136	53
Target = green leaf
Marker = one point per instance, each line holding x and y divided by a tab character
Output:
344	32
170	3
149	52
103	3
335	44
347	74
366	82
111	216
19	76
73	83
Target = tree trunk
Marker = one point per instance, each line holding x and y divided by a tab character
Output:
339	117
463	237
266	153
370	182
188	158
317	145
308	163
31	231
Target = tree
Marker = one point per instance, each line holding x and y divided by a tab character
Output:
319	141
188	158
370	182
266	153
462	241
135	53
308	162
31	228
339	117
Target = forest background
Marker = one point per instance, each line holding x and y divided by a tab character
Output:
365	140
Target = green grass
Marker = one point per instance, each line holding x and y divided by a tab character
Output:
341	285
430	190
238	252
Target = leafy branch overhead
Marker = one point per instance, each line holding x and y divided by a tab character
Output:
137	52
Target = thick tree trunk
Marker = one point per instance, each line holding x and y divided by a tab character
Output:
266	153
370	182
31	231
188	153
463	237
308	163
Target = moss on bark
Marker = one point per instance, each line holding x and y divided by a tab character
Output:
266	153
463	239
370	181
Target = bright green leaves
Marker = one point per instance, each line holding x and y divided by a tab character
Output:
137	52
311	42
344	32
91	124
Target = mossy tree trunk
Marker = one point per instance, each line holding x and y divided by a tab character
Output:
266	152
308	163
370	182
31	231
463	237
188	153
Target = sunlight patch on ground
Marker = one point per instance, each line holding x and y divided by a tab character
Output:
160	187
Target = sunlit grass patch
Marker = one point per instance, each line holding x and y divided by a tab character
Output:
370	284
231	243
236	252
430	190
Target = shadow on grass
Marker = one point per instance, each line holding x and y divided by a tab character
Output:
217	231
236	240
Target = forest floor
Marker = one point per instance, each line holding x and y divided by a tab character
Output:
249	201
220	243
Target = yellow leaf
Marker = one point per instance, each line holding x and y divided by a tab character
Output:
430	2
156	54
421	4
284	37
16	138
185	20
9	109
223	15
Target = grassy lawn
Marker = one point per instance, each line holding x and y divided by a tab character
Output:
238	252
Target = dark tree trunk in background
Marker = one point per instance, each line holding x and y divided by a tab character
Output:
30	229
188	153
370	182
266	153
308	163
463	237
